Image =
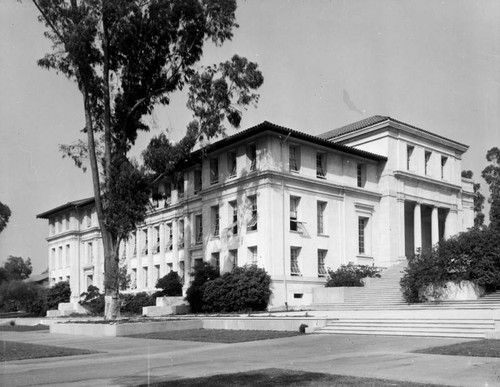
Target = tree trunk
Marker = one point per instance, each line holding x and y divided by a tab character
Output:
111	278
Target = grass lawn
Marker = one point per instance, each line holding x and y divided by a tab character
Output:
281	377
216	335
481	348
23	328
13	350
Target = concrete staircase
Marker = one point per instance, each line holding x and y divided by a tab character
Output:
379	309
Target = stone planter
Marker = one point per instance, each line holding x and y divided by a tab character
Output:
452	291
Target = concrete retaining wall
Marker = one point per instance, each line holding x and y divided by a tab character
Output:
113	330
333	295
264	323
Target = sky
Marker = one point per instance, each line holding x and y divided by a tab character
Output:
432	64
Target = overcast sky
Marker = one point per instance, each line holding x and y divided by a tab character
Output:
431	64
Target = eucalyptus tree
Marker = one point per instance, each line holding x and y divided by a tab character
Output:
127	57
492	176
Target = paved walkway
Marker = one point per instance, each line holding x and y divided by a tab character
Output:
128	362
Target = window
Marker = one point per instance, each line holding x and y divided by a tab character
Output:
409	154
133	279
198	223
215	221
252	255
52	258
252	224
67	222
145	278
180	225
197	181
52	228
362	223
180	189
157	273
252	156
155	196
294	204
360	175
321	217
134	242
67	256
216	261
444	160
231	164
145	242
233	227
168	194
214	171
88	215
294	158
233	257
181	271
427	164
90	253
169	236
321	263
90	280
320	165
156	238
294	261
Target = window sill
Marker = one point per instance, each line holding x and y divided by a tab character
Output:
323	235
364	256
321	177
251	231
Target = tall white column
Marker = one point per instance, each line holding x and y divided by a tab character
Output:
434	226
417	227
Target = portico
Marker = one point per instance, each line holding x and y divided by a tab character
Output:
425	225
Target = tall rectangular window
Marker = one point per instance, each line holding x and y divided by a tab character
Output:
145	278
320	165
294	158
409	155
294	204
197	181
134	244
252	224
360	175
180	189
427	165
320	207
252	157
180	226
232	164
215	221
321	263
169	236
252	255
53	258
216	261
444	160
156	238
67	257
133	279
156	273
214	170
233	220
294	261
90	253
90	280
145	242
362	223
198	229
233	257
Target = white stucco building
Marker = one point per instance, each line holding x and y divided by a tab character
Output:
370	193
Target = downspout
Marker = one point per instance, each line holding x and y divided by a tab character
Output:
283	208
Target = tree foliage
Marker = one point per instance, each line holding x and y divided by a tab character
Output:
350	275
18	295
492	176
478	200
127	57
15	269
4	216
202	273
59	293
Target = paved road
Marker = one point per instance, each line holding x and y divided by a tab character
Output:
128	362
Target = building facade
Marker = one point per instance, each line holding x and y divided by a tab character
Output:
371	193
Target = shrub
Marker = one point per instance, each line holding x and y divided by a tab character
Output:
470	256
350	275
202	273
241	290
133	303
60	292
93	301
170	285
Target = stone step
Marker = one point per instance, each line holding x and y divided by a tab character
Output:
464	334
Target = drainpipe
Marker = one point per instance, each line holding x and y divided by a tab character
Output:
283	208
